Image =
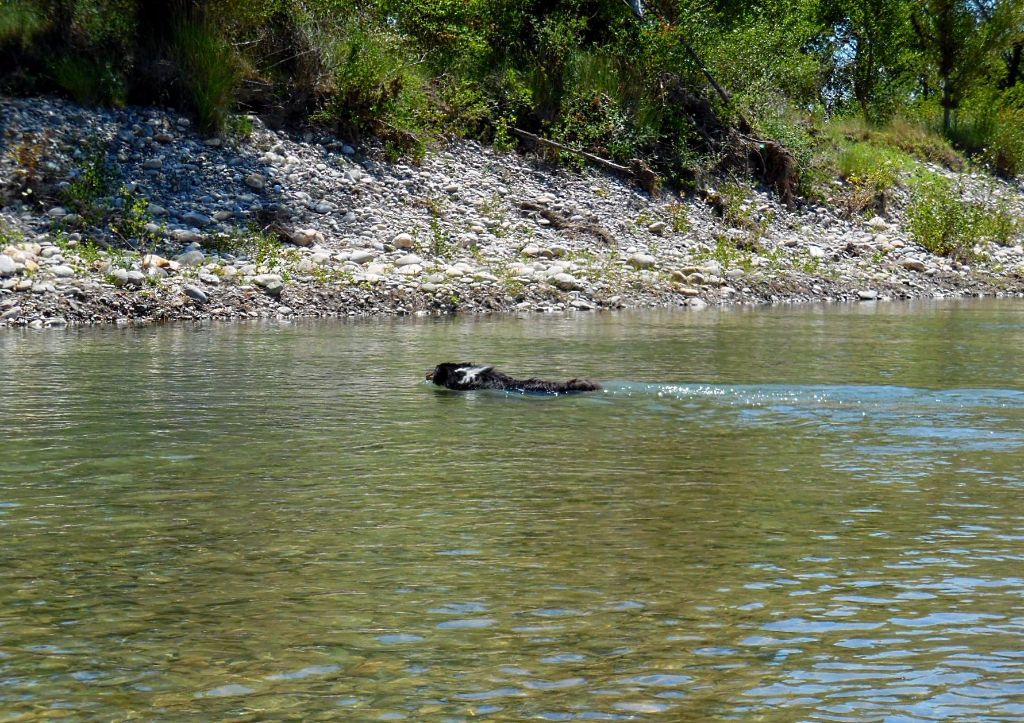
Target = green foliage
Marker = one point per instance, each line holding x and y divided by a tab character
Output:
378	87
88	193
961	40
584	72
20	22
262	247
130	220
89	81
89	252
871	172
991	127
941	221
441	244
911	137
680	217
209	70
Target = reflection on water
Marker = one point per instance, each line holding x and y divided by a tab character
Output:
795	513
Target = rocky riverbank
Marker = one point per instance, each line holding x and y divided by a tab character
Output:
129	215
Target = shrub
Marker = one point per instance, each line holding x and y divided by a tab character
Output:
941	221
89	190
378	87
871	172
1005	149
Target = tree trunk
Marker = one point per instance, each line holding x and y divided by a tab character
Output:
947	106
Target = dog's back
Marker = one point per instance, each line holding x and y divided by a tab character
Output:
468	376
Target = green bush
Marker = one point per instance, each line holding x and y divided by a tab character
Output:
941	221
378	87
91	188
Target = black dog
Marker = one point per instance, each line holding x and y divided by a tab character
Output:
464	377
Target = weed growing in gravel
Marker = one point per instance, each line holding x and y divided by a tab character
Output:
262	247
89	252
809	264
679	217
440	243
119	259
727	254
326	275
130	221
239	126
492	208
9	235
95	181
734	204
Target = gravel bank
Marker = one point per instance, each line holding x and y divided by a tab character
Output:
470	229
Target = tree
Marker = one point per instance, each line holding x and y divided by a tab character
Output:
870	51
961	38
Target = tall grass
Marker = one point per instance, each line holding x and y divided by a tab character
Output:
210	72
89	81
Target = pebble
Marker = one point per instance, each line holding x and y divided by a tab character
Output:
7	266
62	271
363	256
256	181
408	260
194	218
194	292
403	241
270	283
566	282
642	261
191	258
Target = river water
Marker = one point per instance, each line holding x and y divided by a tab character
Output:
793	514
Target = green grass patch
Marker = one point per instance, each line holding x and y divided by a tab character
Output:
900	134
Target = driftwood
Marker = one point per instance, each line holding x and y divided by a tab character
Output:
636	170
561	223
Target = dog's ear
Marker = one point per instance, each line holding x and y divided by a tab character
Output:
469	374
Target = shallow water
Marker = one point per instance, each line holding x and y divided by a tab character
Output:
791	514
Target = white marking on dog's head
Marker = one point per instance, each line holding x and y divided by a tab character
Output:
470	374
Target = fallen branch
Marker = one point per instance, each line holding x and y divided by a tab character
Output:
637	170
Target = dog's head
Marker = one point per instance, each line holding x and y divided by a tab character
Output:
456	375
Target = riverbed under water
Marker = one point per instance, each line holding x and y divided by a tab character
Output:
791	513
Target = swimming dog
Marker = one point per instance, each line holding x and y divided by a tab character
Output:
467	376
